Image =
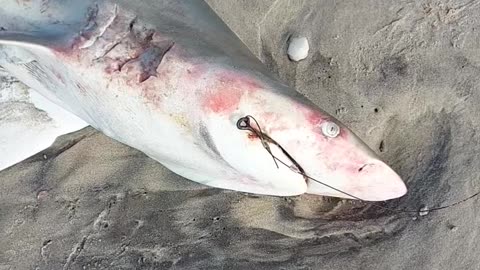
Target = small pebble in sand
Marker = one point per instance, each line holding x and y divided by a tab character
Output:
44	156
42	195
423	211
452	228
298	48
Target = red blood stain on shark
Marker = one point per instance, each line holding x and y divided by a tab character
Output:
225	95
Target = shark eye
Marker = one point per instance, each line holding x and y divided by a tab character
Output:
330	129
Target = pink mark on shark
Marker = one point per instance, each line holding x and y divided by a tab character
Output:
226	93
223	102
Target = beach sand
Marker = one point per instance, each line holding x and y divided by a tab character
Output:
403	75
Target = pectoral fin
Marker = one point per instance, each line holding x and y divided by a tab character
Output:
29	123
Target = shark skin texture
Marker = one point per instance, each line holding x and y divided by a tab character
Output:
170	79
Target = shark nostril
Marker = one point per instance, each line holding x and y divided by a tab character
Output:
364	165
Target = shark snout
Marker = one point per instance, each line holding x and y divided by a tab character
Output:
376	181
369	181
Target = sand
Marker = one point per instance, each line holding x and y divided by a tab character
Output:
403	75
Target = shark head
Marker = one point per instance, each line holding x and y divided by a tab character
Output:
284	145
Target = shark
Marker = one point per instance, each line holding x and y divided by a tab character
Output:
170	79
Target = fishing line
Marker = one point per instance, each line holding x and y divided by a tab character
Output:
244	124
